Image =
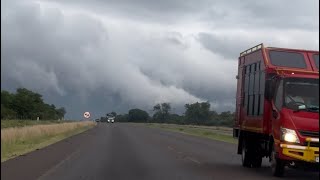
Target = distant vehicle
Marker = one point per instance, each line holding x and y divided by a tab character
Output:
110	119
277	108
97	120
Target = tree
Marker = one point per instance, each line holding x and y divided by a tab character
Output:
162	112
121	118
114	114
7	111
163	108
7	98
213	119
176	119
226	118
25	104
61	112
103	119
137	115
111	114
197	113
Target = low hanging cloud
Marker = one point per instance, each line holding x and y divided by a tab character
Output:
230	45
83	57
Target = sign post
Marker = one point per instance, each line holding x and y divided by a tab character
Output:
86	115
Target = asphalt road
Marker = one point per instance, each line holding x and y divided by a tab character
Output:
135	152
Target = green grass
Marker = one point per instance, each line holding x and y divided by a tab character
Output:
19	147
22	123
211	132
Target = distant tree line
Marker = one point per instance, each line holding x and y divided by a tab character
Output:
25	104
198	113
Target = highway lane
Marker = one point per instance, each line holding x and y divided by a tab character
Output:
132	151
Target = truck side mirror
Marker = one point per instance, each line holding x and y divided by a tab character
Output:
269	88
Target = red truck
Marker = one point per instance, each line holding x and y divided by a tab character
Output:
277	108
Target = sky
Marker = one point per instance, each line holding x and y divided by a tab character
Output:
115	55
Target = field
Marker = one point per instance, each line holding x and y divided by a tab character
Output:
212	132
17	141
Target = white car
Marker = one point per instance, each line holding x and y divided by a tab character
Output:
111	120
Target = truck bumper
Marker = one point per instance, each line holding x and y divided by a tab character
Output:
303	153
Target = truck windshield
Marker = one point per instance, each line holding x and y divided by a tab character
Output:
302	92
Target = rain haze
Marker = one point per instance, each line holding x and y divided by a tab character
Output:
106	55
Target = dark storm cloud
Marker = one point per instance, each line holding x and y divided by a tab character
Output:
115	55
74	58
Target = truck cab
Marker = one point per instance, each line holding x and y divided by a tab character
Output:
277	107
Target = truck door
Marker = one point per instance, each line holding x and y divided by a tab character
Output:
277	103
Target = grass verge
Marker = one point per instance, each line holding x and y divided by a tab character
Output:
22	123
17	141
211	132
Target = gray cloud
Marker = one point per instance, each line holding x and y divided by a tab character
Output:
229	45
219	13
165	11
116	55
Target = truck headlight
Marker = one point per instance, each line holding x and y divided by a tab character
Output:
289	135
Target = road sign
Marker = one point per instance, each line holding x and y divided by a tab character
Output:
86	115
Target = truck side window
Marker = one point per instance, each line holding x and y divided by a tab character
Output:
278	101
256	90
246	87
251	90
261	92
254	79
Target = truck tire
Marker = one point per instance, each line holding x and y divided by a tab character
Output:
246	155
277	165
257	161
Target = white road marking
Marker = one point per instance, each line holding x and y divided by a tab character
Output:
59	164
193	160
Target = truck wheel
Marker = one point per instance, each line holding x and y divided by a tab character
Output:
257	161
277	165
246	156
